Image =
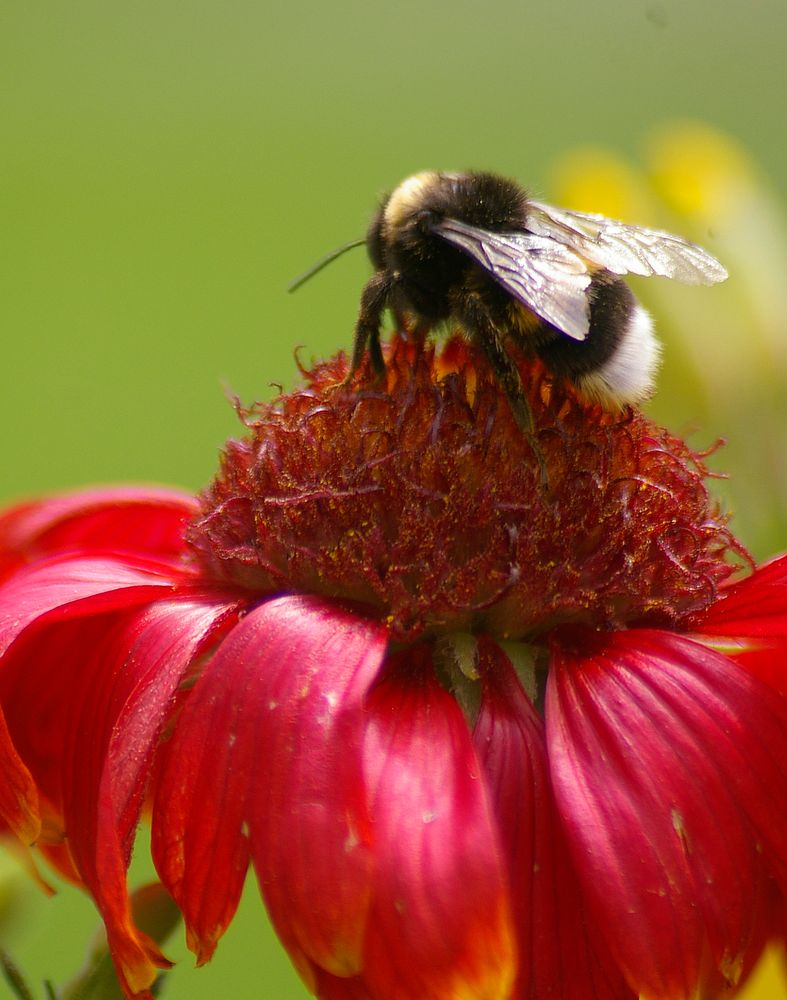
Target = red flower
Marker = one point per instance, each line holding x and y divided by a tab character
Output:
479	739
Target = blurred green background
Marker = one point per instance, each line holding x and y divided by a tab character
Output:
166	168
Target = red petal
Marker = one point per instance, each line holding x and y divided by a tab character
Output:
756	606
268	748
752	614
562	953
441	925
18	794
661	827
88	699
72	585
129	519
328	987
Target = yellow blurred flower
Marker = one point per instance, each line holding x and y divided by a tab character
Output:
726	348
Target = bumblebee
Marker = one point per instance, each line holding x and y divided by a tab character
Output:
474	250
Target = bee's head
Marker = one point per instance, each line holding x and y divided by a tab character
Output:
419	195
406	217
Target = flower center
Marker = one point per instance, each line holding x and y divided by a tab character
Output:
421	500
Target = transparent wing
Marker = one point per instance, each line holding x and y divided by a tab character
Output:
546	275
623	249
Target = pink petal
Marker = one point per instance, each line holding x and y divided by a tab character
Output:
129	518
661	828
441	923
66	586
88	699
267	749
562	954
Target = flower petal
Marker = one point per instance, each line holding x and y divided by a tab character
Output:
128	518
328	987
753	607
441	924
661	828
267	750
87	700
562	953
72	585
752	616
18	793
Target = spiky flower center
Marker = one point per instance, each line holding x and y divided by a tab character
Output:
421	500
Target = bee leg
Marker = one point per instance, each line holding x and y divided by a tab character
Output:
401	321
374	299
475	319
507	374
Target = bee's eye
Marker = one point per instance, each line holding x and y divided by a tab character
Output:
425	221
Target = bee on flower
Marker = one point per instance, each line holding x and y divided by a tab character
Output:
476	740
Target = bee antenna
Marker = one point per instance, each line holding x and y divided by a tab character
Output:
321	263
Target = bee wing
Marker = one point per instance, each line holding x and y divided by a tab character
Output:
545	275
623	249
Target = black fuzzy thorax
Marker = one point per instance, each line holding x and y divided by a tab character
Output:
429	269
479	199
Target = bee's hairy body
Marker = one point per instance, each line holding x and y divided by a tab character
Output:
421	275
